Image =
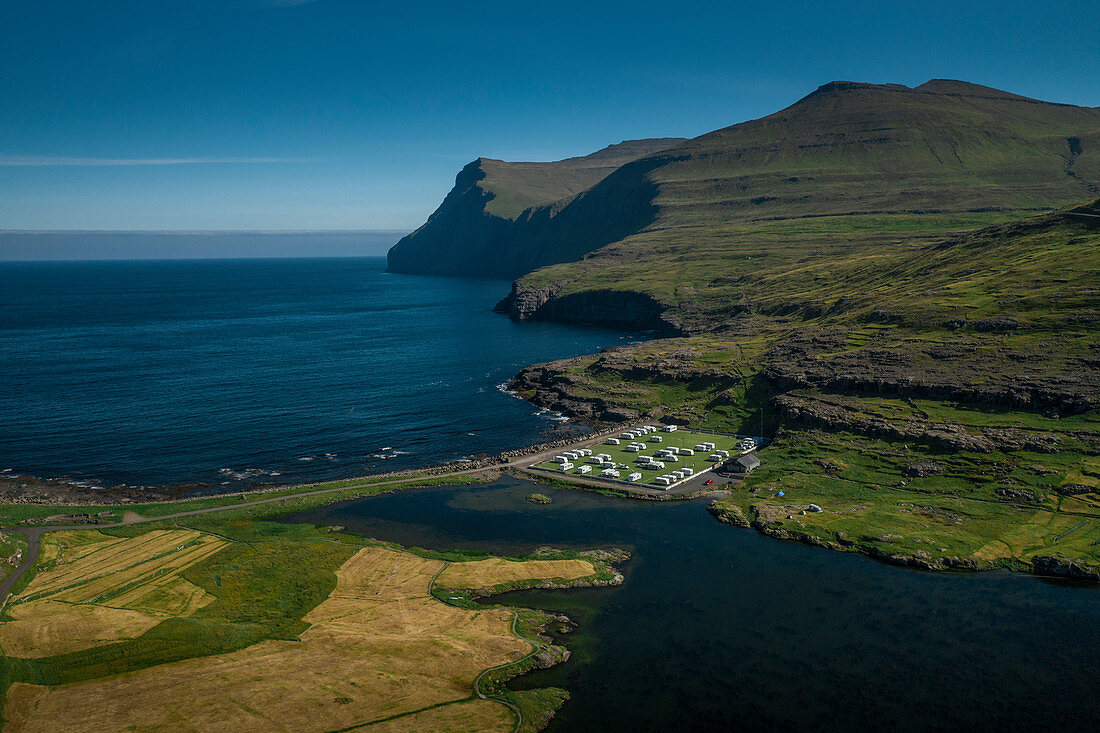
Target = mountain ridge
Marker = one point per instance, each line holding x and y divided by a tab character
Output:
847	149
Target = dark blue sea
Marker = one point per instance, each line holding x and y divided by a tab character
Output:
239	372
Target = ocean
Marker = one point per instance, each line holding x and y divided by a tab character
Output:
229	373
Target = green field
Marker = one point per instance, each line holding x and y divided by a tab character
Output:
681	438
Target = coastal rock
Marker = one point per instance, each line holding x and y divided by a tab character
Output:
728	514
1064	567
612	308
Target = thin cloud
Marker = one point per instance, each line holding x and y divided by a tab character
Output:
47	160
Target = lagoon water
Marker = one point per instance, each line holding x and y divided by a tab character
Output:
718	628
233	372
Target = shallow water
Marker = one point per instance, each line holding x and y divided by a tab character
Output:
243	371
718	628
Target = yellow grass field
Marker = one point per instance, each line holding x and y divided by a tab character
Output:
379	646
104	589
496	571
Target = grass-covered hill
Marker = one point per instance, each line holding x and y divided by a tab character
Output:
826	183
484	226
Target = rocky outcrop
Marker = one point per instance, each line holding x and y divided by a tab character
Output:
730	514
1064	568
961	373
952	436
551	386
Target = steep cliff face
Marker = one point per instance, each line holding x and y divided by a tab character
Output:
613	308
503	219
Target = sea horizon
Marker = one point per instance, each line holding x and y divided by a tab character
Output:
229	244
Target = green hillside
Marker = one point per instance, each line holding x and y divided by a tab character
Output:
825	182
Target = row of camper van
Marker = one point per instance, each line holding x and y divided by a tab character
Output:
614	473
673	477
565	460
639	432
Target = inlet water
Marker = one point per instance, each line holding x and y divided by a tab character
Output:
717	628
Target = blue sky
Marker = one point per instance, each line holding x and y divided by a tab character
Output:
347	114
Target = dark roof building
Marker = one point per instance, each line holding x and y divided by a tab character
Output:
745	464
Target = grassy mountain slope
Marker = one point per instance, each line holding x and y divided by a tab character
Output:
495	205
831	179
